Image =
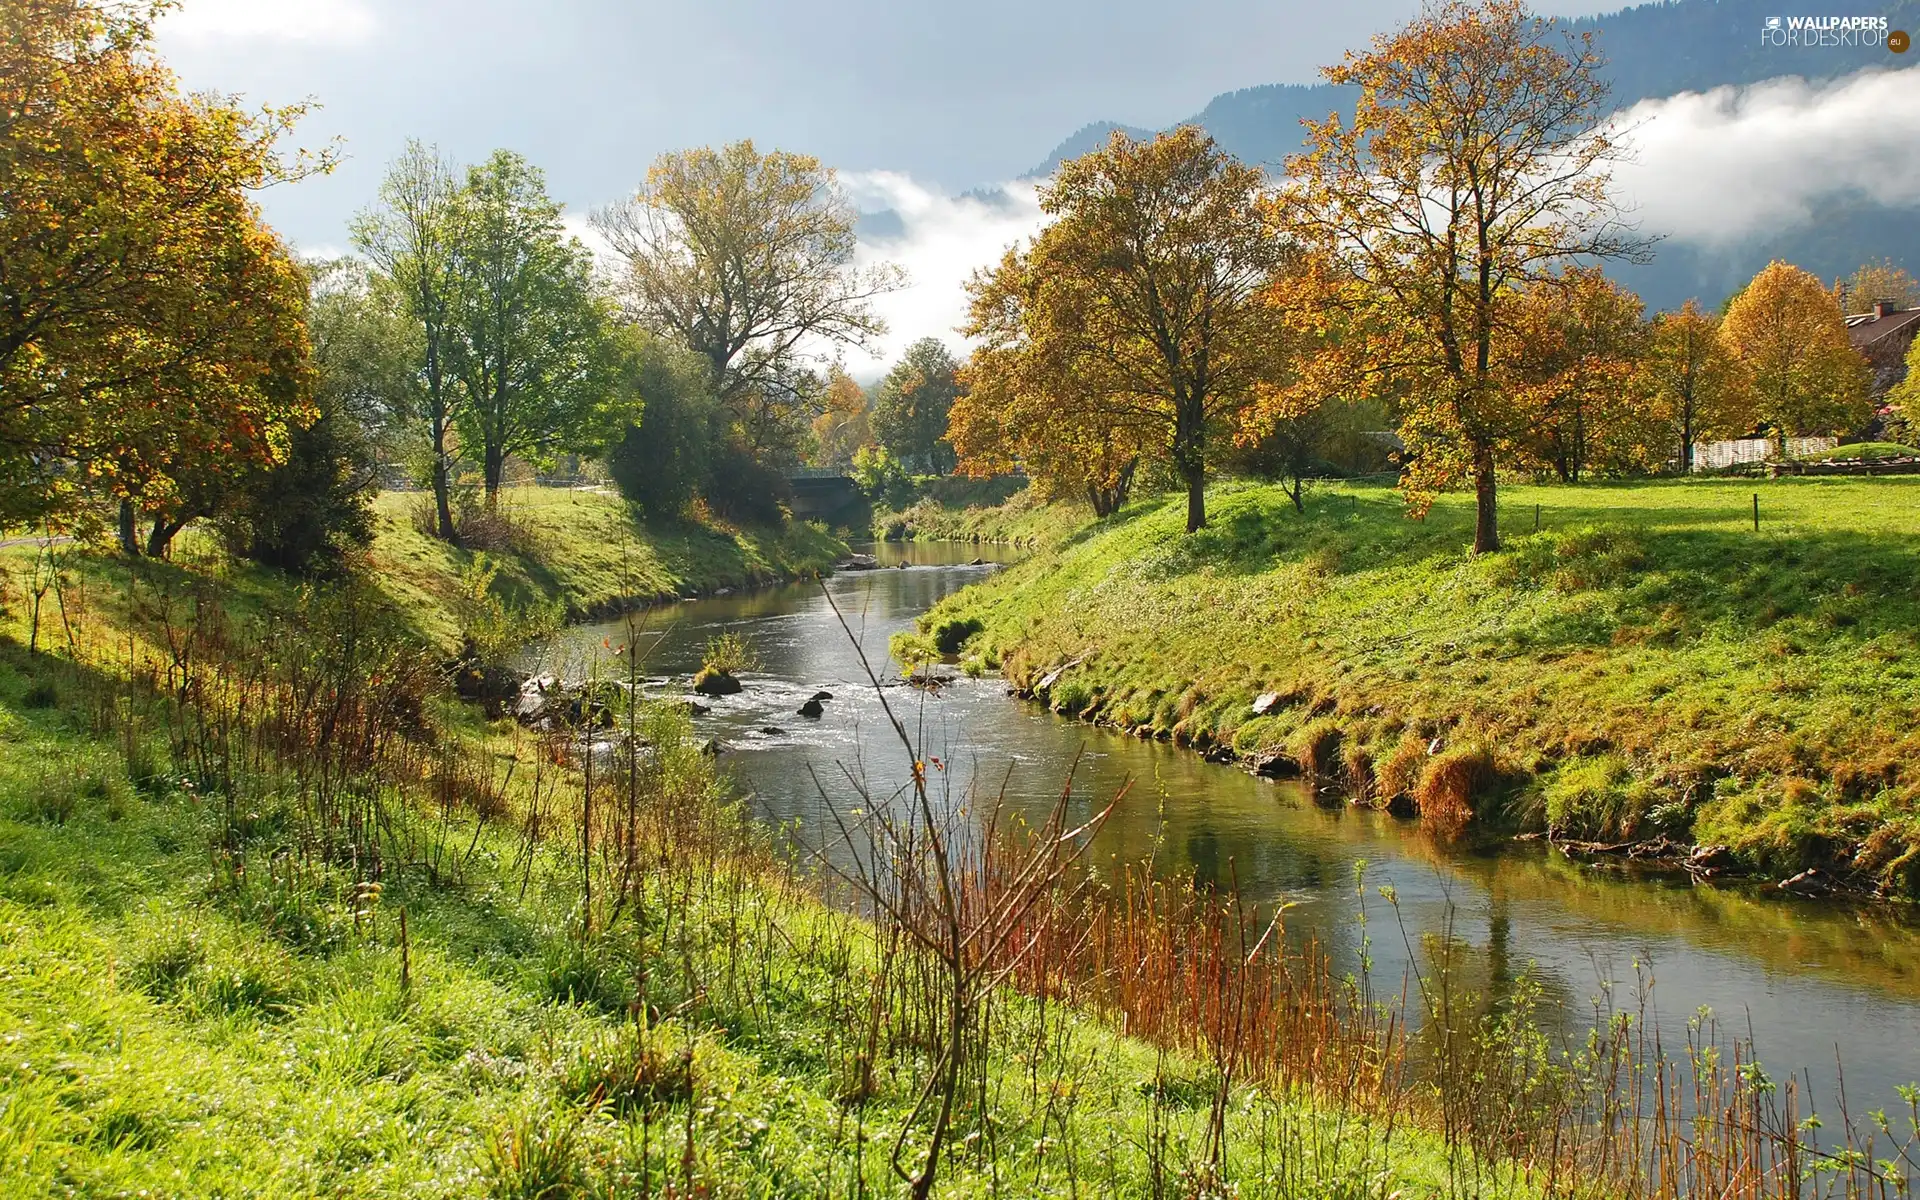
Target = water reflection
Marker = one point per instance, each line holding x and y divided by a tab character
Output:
1811	980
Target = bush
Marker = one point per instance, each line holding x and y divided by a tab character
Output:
742	488
729	654
950	636
306	514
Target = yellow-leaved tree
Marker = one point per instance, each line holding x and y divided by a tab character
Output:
1582	337
1699	385
1474	167
1136	325
152	339
1788	332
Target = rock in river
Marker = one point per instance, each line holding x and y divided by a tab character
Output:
716	683
812	709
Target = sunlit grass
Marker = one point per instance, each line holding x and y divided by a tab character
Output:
1756	688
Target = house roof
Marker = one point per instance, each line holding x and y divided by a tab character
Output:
1865	329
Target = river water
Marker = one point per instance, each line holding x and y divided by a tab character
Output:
1815	984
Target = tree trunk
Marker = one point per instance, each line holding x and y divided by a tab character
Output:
129	535
1196	477
160	537
1486	521
496	468
1686	444
442	505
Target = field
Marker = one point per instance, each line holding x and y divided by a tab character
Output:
1637	661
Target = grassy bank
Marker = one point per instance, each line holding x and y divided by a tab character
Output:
583	551
1645	664
280	917
1019	520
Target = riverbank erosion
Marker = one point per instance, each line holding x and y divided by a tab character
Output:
1638	667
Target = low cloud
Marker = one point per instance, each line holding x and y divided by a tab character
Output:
1717	167
218	21
940	240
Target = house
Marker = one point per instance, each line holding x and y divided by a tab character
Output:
1882	337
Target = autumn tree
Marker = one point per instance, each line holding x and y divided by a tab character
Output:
151	340
527	334
1581	341
1881	279
748	258
845	426
1788	332
1473	167
1699	386
410	236
912	404
1138	312
1010	416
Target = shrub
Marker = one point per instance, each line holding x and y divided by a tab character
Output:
306	514
1450	783
729	654
950	636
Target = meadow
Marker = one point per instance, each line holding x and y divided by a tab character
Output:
1639	661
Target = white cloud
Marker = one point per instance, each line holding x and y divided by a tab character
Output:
942	240
1715	167
204	21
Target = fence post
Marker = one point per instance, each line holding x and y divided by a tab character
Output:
1756	512
1536	518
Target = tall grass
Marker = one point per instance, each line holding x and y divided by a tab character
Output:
679	1010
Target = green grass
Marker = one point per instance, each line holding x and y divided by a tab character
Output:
1021	521
1645	662
171	1029
585	551
1862	452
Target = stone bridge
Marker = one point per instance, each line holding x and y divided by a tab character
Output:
823	495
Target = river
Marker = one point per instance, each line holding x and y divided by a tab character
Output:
1815	983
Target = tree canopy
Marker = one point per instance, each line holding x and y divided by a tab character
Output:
1135	323
748	259
151	330
912	405
1474	166
1787	330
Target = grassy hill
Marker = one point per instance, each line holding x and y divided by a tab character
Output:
1645	664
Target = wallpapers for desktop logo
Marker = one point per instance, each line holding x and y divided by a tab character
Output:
1867	32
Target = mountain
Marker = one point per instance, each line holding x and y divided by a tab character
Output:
1652	51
